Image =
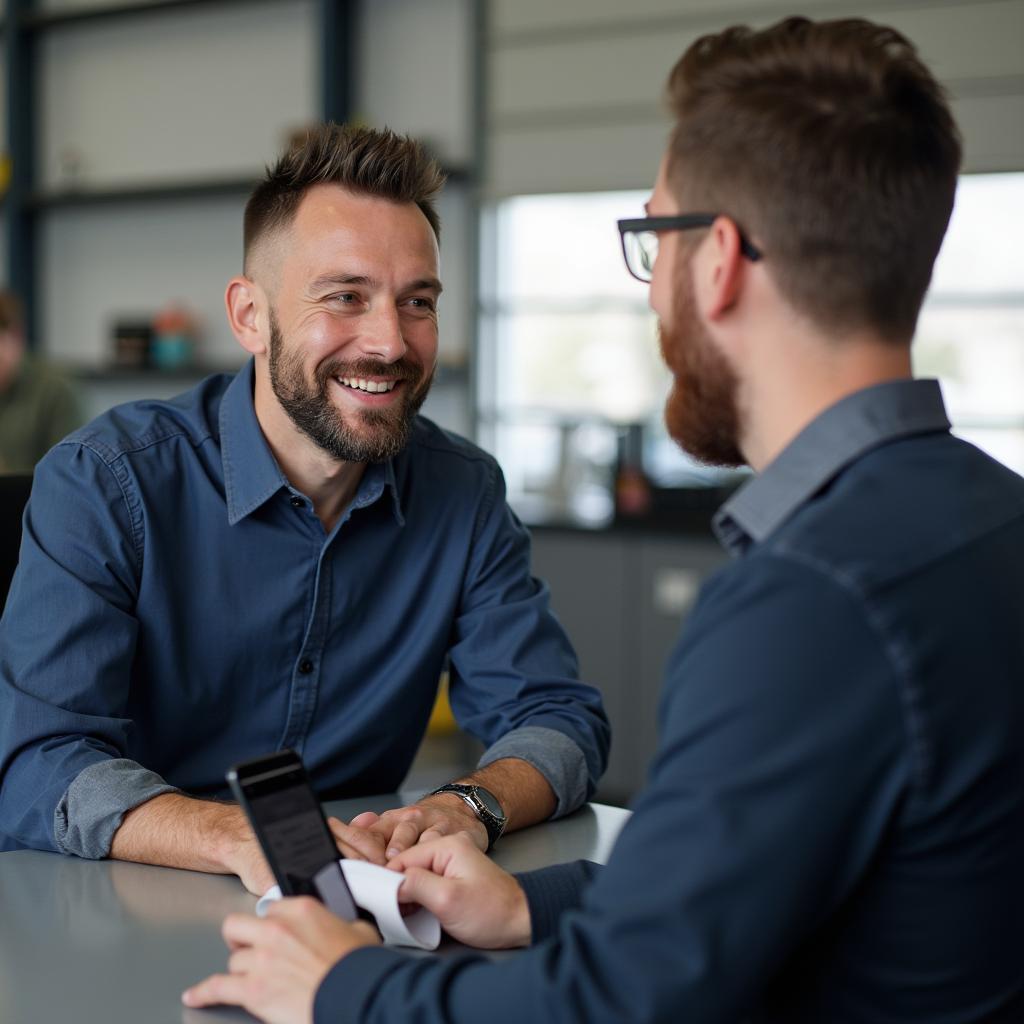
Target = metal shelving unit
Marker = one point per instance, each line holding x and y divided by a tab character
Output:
24	203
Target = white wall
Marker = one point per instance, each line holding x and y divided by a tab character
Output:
574	97
170	97
192	94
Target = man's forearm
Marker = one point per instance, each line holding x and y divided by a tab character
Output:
525	795
181	832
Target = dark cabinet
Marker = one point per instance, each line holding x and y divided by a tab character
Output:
623	597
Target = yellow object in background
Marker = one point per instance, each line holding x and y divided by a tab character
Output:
5	172
442	721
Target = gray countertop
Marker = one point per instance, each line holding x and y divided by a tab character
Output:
105	942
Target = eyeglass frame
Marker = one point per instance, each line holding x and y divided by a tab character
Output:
677	222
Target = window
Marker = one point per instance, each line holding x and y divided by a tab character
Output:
570	375
971	331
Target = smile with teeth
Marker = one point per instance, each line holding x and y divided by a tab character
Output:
372	386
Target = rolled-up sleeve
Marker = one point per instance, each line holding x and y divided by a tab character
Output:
514	675
67	640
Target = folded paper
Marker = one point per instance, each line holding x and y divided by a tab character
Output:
375	889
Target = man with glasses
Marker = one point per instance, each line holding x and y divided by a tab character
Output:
833	827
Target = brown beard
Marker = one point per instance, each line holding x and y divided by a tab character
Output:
385	431
701	411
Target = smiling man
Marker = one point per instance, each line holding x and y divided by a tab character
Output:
287	558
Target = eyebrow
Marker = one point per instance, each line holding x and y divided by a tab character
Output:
430	284
334	280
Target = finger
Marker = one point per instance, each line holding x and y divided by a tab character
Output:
406	834
218	989
297	909
429	836
247	930
359	843
427	889
364	820
242	960
434	855
439	830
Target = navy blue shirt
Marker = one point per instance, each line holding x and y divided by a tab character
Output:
178	607
833	825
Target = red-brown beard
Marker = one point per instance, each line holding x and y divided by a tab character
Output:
701	412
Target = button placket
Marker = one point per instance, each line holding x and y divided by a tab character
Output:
306	673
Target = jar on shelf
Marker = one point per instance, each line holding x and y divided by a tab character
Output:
174	337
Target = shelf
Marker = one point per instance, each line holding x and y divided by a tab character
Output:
114	374
158	191
164	191
105	12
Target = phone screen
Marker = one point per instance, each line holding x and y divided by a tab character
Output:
289	823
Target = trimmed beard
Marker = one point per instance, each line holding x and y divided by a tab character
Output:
384	433
701	412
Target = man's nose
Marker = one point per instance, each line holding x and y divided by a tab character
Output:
381	334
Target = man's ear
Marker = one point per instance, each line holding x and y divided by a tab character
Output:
720	278
246	302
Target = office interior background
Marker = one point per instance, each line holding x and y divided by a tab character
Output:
133	130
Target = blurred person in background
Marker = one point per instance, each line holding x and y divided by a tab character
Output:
37	405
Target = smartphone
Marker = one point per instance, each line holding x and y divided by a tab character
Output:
285	814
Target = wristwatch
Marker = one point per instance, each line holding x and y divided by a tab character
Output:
484	805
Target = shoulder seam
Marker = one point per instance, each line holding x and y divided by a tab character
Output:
131	506
109	454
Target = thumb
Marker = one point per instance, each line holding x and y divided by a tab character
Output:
425	888
365	820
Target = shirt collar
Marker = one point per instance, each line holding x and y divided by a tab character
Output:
830	442
251	473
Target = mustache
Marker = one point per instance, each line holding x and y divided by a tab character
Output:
402	369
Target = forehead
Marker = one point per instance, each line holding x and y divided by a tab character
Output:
348	231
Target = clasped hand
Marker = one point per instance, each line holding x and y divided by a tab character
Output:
277	964
368	836
380	837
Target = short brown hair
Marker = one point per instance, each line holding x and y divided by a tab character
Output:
833	147
363	160
12	315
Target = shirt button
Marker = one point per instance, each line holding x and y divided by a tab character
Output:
305	666
297	502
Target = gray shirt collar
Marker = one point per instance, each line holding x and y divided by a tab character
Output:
831	441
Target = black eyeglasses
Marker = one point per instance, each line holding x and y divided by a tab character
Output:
640	239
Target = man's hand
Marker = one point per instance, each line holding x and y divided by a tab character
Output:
245	859
180	832
475	901
380	837
277	964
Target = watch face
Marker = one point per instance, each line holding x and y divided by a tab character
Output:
488	800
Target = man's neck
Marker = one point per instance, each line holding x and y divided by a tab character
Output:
809	377
329	483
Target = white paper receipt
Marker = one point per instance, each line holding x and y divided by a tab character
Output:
375	889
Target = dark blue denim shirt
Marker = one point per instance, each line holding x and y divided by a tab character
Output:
833	827
178	607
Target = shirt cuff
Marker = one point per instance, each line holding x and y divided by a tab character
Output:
554	755
350	985
91	811
551	891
